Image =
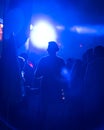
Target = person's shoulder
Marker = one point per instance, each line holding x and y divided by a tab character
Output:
44	58
60	58
96	61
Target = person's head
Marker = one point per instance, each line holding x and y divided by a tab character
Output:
88	55
99	51
52	48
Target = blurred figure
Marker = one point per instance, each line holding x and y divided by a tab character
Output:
70	63
21	61
11	80
88	56
27	70
94	89
77	75
76	87
49	70
99	52
0	76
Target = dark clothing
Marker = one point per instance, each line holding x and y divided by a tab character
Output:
28	75
94	92
50	69
10	91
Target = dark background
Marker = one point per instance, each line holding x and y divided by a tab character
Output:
89	11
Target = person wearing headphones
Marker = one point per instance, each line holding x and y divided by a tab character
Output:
49	70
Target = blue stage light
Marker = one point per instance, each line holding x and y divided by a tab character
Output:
41	34
66	74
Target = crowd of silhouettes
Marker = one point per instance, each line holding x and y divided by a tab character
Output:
71	92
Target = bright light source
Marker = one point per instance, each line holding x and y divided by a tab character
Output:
41	34
1	25
82	30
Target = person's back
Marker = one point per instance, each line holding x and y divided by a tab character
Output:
50	71
50	67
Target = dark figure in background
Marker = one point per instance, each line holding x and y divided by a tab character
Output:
49	70
99	52
0	79
94	89
70	63
27	70
77	76
11	81
21	61
88	56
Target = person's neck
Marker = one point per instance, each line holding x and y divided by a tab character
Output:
52	55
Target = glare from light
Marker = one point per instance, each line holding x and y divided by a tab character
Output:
59	27
63	98
82	30
41	34
1	25
66	74
1	32
27	44
1	20
31	27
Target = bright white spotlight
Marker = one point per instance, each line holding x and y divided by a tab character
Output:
41	34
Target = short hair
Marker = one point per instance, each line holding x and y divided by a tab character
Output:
52	45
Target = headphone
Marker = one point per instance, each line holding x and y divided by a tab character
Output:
52	46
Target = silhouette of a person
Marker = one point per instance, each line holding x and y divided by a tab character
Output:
49	70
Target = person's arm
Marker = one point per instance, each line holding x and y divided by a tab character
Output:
38	72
